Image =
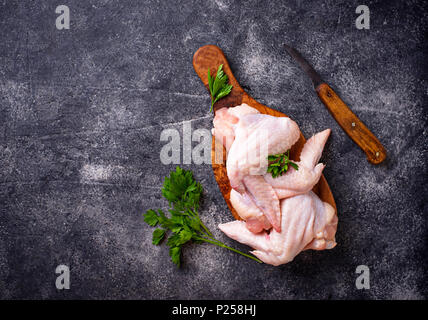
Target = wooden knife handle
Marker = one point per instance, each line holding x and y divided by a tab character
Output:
351	124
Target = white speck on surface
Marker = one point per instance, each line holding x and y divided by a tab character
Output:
221	5
95	172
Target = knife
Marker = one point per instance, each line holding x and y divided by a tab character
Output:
349	122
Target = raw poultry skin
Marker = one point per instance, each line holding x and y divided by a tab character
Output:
258	205
224	121
264	196
306	223
295	182
256	136
255	220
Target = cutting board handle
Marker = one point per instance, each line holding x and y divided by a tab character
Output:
211	57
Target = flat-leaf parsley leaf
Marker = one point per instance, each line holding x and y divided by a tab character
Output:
280	163
219	88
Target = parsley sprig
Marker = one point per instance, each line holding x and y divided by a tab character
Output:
279	164
183	193
218	86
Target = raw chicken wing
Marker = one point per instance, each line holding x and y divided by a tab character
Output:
306	223
295	182
257	136
225	120
255	220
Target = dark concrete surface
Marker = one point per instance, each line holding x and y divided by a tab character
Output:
81	112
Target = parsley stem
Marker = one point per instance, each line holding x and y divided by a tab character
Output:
221	244
207	230
206	234
196	215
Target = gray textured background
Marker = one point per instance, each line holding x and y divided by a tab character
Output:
81	112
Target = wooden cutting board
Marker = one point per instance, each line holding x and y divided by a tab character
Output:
212	57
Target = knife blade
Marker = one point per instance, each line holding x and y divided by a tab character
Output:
315	77
343	115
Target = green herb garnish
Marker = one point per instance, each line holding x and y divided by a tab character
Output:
218	86
183	193
279	164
